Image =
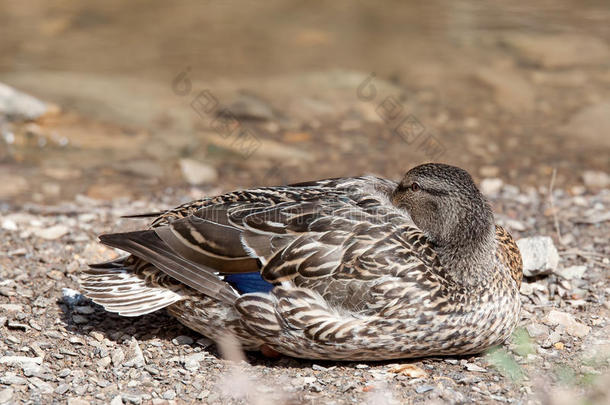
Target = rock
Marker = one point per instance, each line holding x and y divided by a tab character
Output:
134	356
6	395
161	401
84	309
129	398
169	394
42	386
559	51
196	173
104	362
537	330
70	297
77	401
12	379
9	225
31	369
572	326
20	106
423	388
491	186
249	107
116	400
191	362
474	367
539	255
11	307
553	338
183	340
21	361
309	380
79	319
205	342
409	370
595	179
591	123
64	372
53	232
117	357
17	325
571	272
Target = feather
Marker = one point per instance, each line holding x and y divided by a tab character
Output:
249	282
118	288
148	246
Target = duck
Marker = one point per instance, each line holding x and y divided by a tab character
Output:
353	269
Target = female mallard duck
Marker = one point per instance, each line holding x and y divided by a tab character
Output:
347	269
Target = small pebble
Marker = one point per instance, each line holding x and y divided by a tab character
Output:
12	379
474	367
183	340
423	388
169	394
6	395
53	232
79	319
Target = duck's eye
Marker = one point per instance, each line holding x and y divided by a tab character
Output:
415	187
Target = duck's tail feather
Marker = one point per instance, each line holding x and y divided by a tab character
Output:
147	246
118	287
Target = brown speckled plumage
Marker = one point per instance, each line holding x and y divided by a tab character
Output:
362	268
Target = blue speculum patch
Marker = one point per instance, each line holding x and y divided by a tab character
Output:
248	283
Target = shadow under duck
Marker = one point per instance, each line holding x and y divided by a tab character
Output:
355	268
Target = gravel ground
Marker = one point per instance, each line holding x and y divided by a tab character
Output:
57	346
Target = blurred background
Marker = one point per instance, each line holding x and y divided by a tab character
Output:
130	98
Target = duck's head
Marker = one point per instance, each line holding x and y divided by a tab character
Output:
445	204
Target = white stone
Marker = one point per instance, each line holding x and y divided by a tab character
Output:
571	272
134	355
596	179
16	104
537	330
539	255
474	367
70	296
117	400
6	395
491	186
21	361
53	232
9	225
195	172
571	325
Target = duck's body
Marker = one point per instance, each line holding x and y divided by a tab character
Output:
346	273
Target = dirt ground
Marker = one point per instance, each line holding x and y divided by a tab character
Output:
194	106
56	345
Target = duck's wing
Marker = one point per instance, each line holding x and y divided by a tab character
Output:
332	235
